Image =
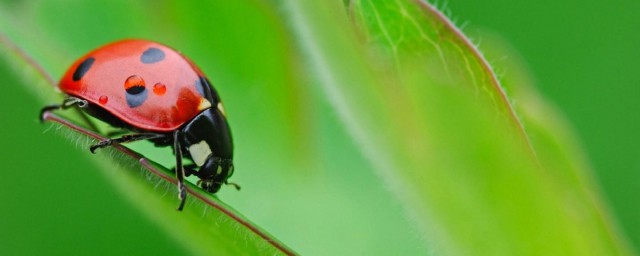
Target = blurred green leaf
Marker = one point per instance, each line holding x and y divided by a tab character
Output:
556	146
316	105
434	127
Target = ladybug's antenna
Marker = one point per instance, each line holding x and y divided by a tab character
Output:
235	185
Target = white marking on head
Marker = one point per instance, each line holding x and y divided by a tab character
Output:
200	152
221	109
204	104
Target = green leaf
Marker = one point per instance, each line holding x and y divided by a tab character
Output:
376	129
430	114
556	145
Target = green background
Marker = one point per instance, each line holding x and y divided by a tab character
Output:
584	56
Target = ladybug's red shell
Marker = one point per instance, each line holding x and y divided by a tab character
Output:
145	84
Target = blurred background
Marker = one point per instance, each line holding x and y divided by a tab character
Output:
583	56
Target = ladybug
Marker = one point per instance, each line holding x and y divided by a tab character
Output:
156	94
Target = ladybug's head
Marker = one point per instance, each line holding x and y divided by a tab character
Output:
219	169
206	139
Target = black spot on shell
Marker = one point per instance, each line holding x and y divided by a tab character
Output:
152	55
136	95
135	90
83	68
204	88
200	86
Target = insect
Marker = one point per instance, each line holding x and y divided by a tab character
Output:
155	94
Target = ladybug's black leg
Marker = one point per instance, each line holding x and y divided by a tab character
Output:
188	169
67	103
116	133
125	139
47	109
182	191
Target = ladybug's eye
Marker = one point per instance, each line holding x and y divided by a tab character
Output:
136	91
